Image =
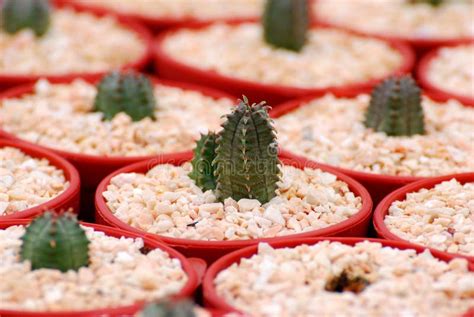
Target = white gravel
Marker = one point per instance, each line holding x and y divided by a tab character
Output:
118	275
453	70
331	130
240	52
196	9
453	19
76	42
166	201
441	217
26	181
60	116
291	282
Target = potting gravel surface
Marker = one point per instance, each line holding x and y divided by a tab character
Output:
184	9
26	181
118	275
167	202
293	282
239	52
453	70
452	19
75	42
441	217
331	130
61	116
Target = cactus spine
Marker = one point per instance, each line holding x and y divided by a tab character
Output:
247	164
129	92
286	23
55	242
203	167
179	309
395	108
22	14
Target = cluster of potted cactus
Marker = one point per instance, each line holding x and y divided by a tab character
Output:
337	185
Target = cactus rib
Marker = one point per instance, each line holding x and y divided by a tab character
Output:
203	168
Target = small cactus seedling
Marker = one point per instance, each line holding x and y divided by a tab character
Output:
178	309
246	162
434	3
129	92
346	283
285	23
395	108
203	168
22	14
55	242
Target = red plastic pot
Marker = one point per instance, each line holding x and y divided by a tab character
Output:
190	266
382	209
440	92
156	24
420	45
378	185
357	225
92	168
212	299
10	80
67	200
169	67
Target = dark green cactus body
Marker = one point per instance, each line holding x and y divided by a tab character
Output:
55	242
203	167
23	14
131	93
434	3
247	164
286	23
395	108
179	309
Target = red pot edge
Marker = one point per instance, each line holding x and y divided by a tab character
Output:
155	23
129	24
104	212
188	289
438	92
212	299
382	209
106	160
161	58
70	173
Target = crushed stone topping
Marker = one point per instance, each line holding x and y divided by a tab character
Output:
331	130
399	18
61	116
75	42
167	202
453	70
293	281
239	51
118	275
26	182
440	218
196	9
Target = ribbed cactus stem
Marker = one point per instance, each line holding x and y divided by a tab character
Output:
285	23
202	163
55	242
177	309
395	108
128	92
26	14
247	164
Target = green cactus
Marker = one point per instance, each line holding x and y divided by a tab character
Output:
285	23
55	242
203	168
434	3
246	162
395	108
128	92
178	309
22	14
